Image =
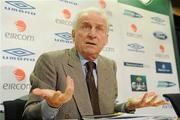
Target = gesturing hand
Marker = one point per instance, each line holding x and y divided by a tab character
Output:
56	98
147	100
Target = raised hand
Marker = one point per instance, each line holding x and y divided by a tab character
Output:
56	98
149	99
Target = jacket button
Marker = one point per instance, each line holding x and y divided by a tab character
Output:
66	116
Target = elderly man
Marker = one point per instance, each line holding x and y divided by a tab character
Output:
75	82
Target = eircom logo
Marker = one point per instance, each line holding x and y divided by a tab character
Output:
19	74
67	13
14	80
102	3
21	25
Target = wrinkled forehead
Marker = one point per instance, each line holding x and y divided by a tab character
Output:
92	17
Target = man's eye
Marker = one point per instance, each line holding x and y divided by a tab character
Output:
100	28
86	27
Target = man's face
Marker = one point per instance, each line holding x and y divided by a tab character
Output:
90	36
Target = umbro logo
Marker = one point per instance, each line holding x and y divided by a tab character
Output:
20	4
64	35
19	52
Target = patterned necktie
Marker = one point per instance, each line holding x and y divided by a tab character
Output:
93	93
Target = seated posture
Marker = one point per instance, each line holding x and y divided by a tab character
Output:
71	83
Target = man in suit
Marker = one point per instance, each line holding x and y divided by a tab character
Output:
59	86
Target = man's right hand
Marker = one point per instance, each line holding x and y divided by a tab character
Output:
56	98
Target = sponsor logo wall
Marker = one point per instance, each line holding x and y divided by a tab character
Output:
145	58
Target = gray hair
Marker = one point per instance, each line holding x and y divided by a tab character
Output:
88	10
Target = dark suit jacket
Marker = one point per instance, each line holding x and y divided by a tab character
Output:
50	72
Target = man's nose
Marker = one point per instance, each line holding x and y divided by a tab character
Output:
92	32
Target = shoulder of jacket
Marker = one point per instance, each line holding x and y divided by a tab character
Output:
105	59
56	53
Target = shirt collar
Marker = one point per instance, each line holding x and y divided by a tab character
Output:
84	61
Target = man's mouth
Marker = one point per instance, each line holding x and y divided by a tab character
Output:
90	43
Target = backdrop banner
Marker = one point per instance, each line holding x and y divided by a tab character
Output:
140	41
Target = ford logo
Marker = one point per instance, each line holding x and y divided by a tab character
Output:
160	35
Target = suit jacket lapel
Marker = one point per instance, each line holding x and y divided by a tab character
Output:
102	74
81	95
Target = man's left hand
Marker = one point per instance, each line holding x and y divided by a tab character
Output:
149	99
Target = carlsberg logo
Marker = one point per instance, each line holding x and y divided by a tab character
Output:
146	2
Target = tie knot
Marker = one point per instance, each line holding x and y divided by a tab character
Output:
90	65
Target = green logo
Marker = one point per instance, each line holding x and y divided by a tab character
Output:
146	2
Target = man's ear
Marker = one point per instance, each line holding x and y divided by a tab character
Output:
107	40
73	34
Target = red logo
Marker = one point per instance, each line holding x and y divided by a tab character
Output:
67	13
133	28
162	48
102	3
21	25
20	74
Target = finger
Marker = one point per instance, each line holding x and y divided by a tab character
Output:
70	86
44	93
54	100
56	95
152	100
69	90
148	97
151	93
143	100
160	102
38	92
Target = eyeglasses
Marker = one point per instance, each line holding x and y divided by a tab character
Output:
86	27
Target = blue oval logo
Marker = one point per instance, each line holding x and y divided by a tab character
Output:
160	35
